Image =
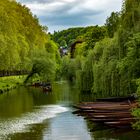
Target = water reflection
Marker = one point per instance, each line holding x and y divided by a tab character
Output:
16	102
67	127
30	114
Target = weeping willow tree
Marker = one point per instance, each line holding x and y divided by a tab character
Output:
111	68
128	35
85	74
43	69
106	77
130	15
45	64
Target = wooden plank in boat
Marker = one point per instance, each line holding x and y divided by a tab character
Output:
112	116
101	120
114	121
104	103
118	99
118	122
105	106
104	111
112	113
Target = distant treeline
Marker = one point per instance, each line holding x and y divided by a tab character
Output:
67	37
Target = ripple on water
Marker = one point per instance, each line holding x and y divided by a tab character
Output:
21	124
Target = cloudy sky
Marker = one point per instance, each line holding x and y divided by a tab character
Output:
62	14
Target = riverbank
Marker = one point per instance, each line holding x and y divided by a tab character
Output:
10	82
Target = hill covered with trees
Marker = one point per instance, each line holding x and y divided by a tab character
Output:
70	35
24	43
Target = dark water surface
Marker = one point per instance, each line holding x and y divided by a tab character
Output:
30	114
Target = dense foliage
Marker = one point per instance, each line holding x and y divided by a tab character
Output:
89	34
23	40
108	64
112	23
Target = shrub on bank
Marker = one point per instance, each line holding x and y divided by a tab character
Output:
10	82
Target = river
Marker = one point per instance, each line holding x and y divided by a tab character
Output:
30	114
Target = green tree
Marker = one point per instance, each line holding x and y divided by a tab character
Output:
63	43
112	23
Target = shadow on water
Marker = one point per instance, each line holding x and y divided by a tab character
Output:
22	100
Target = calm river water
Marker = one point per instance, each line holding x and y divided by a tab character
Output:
30	114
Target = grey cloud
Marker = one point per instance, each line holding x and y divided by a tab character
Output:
61	16
70	19
69	13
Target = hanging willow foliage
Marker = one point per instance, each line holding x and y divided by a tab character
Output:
111	66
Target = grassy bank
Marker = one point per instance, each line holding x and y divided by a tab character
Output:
10	82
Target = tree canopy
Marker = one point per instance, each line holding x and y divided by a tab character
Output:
107	62
23	39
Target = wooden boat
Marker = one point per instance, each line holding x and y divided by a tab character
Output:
47	88
120	124
101	120
123	121
112	108
106	102
109	111
37	84
106	106
131	97
106	111
112	116
108	116
101	111
114	121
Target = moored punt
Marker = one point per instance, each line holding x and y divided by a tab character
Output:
112	108
111	116
131	97
123	121
115	114
102	111
120	124
108	111
106	106
96	103
101	120
114	120
104	115
46	89
46	86
106	102
112	113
